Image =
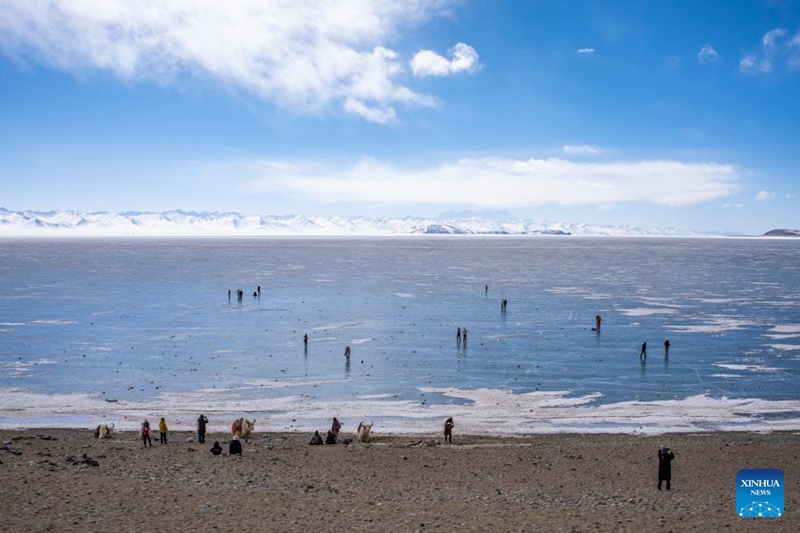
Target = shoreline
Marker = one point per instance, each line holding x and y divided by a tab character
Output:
554	482
476	411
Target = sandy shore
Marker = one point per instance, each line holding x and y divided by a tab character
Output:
396	483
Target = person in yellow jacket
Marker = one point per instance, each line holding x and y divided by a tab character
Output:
162	429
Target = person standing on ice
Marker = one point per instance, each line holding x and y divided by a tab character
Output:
643	353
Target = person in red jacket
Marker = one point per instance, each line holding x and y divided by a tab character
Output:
144	432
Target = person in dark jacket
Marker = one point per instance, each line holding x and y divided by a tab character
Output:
330	439
216	449
235	446
316	439
201	429
665	457
448	430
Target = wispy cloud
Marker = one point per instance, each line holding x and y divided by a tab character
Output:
300	54
776	47
751	64
586	51
707	54
732	206
765	195
495	182
794	52
769	38
428	63
581	149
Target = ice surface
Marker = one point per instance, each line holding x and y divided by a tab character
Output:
641	311
117	329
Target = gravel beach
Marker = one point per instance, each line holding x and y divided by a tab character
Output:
66	480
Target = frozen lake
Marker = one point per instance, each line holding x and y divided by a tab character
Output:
114	330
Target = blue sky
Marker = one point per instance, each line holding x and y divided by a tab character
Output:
683	114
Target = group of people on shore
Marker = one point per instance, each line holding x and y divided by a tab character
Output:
144	432
665	455
235	446
331	438
333	433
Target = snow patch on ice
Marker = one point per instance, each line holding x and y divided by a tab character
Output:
641	311
479	411
750	368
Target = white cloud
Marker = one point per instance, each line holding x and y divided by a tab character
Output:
496	182
794	52
707	54
300	54
770	37
765	195
379	115
732	206
751	64
776	48
581	149
586	51
428	63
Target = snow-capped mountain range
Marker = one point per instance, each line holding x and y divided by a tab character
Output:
187	223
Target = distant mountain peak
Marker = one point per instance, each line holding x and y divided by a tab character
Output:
783	233
192	223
